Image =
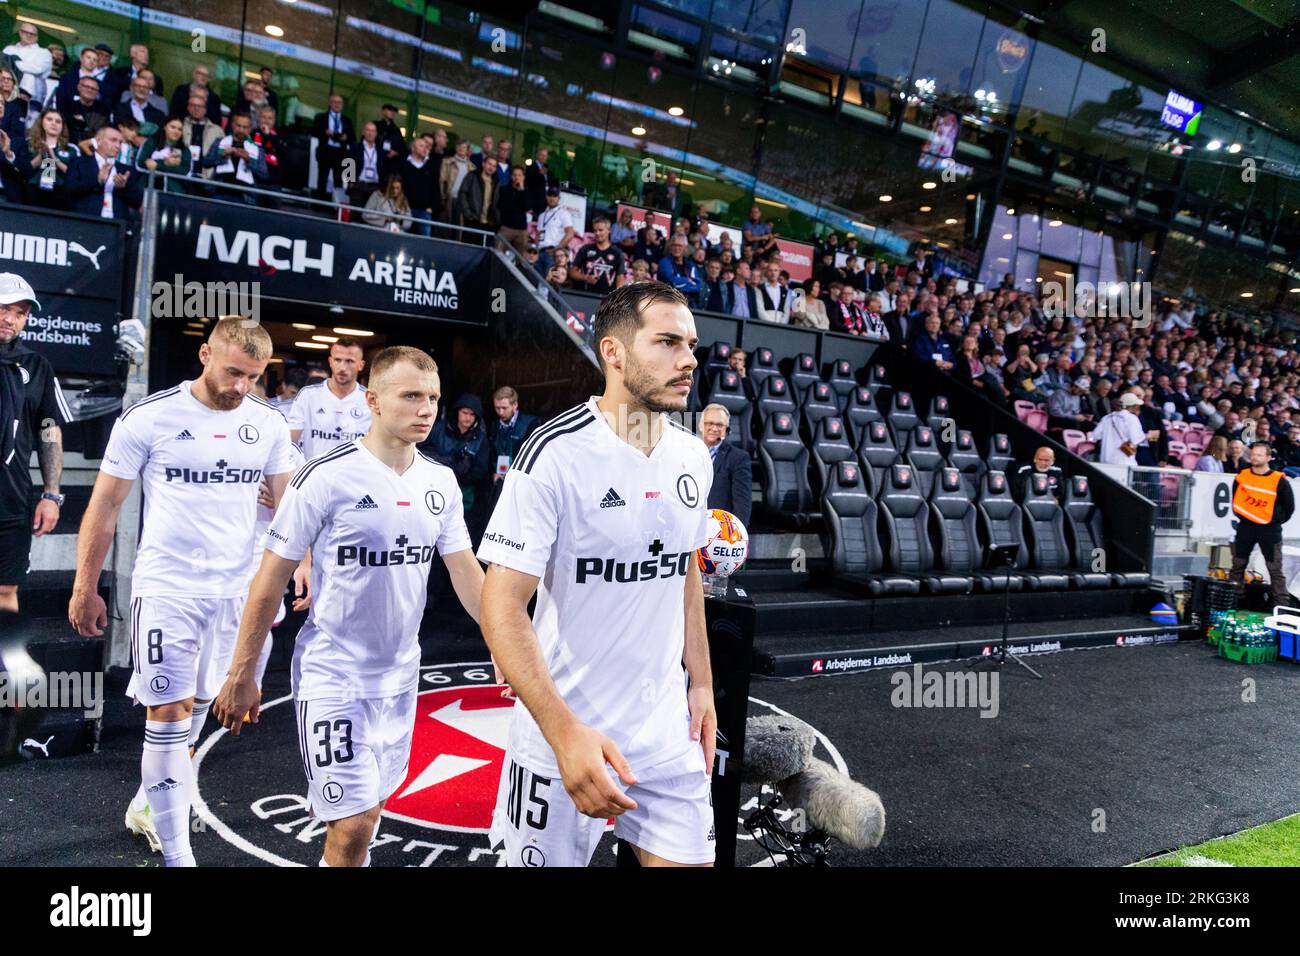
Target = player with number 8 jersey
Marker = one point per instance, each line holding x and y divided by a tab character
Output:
201	450
373	512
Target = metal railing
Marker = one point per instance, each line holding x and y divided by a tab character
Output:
1170	490
274	200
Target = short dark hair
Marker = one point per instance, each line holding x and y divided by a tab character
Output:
347	343
619	314
1261	444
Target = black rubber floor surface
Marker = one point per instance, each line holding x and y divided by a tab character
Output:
1117	754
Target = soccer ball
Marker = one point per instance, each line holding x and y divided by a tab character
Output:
728	545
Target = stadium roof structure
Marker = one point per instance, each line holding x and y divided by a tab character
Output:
1241	54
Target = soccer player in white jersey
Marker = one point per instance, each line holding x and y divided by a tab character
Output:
201	449
329	413
373	512
604	508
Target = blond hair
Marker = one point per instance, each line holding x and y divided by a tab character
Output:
384	362
252	340
505	393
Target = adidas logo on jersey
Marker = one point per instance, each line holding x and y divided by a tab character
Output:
167	784
185	436
365	504
612	500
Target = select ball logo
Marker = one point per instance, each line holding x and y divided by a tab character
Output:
439	815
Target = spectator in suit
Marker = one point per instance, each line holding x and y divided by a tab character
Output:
123	75
668	195
769	300
508	431
391	139
487	147
538	178
476	204
69	85
932	347
138	105
369	164
504	148
845	315
334	134
198	84
98	185
733	488
200	134
154	100
715	295
741	297
679	271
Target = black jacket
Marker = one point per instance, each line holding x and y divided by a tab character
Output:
732	482
469	203
181	101
320	129
468	455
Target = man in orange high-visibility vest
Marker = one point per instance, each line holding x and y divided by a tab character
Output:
1263	502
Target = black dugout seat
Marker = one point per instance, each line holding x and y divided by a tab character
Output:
727	389
842	381
818	403
954	524
938	418
999	457
905	518
966	459
1045	537
859	412
1001	523
878	383
783	463
829	447
922	453
760	366
1083	532
853	535
775	397
902	416
803	375
877	453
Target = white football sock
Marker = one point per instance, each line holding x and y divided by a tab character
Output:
197	720
167	775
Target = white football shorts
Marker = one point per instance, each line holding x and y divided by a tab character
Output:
181	647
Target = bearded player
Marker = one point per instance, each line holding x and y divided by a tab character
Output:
373	512
601	515
201	449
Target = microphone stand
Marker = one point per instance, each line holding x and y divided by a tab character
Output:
1005	556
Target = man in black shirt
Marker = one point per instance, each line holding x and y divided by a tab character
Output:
390	135
598	266
32	412
512	211
420	184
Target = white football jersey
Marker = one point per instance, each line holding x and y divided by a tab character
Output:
372	534
200	469
327	421
611	532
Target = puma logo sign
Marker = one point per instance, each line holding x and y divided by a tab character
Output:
81	250
31	744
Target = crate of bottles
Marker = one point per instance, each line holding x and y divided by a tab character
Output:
1222	621
1246	638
